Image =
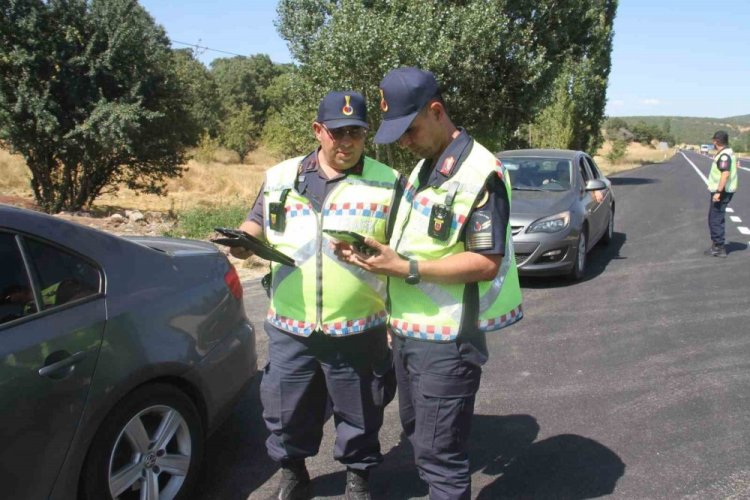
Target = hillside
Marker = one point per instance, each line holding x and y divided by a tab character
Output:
695	130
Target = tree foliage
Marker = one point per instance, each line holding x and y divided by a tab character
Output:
202	95
494	59
88	95
241	131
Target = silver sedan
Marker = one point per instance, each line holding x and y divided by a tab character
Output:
562	206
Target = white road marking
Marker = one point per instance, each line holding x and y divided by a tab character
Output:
744	168
734	218
743	230
696	168
730	210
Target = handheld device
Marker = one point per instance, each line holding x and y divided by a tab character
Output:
354	239
237	238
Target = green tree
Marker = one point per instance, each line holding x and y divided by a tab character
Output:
494	59
88	95
241	81
241	131
201	93
553	126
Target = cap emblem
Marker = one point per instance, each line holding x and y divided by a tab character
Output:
347	109
383	103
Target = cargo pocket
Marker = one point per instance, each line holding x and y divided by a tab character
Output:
447	407
270	397
384	381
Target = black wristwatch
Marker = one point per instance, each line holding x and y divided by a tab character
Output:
413	278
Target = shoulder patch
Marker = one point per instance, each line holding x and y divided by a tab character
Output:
479	235
724	162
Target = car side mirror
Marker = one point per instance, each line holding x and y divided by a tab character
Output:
595	185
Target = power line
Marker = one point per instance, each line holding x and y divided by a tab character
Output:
207	48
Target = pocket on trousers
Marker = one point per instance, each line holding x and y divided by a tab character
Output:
384	381
270	395
447	404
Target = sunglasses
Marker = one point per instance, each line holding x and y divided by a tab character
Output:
338	134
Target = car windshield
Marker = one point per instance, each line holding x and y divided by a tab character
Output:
538	174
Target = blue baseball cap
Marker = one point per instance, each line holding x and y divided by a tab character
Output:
403	93
342	109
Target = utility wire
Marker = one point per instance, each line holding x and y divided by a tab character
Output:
207	48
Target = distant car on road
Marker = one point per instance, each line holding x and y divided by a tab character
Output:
562	206
117	358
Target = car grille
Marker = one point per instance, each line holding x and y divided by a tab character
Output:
521	258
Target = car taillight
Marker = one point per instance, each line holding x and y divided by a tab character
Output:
232	279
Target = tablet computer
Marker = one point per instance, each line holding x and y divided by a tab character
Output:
237	238
354	239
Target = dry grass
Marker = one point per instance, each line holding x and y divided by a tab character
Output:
221	182
14	175
635	156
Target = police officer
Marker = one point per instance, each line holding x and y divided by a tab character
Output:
722	183
326	321
452	275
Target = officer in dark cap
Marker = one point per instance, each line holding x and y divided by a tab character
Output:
452	275
327	321
722	183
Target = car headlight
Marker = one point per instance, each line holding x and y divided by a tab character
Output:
551	224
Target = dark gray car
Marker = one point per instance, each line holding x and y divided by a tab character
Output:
117	358
562	206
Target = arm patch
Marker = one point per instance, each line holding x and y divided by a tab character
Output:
724	162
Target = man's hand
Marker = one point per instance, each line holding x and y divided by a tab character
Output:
240	252
384	261
716	197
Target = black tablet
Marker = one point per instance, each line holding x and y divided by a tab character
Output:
237	238
354	239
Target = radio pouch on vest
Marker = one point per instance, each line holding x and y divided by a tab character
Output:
277	213
441	216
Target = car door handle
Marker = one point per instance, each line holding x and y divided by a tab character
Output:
51	370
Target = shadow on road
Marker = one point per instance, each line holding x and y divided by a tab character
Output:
566	466
735	246
631	181
238	446
599	258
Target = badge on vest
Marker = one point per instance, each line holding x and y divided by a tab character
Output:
441	218
277	216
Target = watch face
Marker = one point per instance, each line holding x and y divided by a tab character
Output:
412	279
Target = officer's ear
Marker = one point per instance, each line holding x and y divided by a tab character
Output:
318	130
436	109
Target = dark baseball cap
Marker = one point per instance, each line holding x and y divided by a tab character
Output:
342	109
721	136
403	93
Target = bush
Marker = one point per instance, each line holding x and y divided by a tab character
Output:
617	152
206	149
199	223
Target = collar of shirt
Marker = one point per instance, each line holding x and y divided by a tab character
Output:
449	162
310	164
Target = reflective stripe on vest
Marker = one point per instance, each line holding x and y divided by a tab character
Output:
715	174
321	292
432	311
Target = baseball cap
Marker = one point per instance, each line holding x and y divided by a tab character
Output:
342	109
721	136
403	93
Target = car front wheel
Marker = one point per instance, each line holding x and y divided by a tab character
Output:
579	266
149	447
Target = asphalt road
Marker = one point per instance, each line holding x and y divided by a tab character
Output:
634	383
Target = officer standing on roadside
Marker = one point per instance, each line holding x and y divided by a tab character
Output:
722	183
452	275
326	321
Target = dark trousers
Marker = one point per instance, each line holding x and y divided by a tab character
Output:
437	386
716	212
355	372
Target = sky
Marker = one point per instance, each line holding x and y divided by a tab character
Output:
670	57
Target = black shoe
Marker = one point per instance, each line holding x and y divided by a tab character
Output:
721	252
357	484
711	251
294	483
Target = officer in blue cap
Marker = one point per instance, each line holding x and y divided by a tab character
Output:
452	275
327	321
